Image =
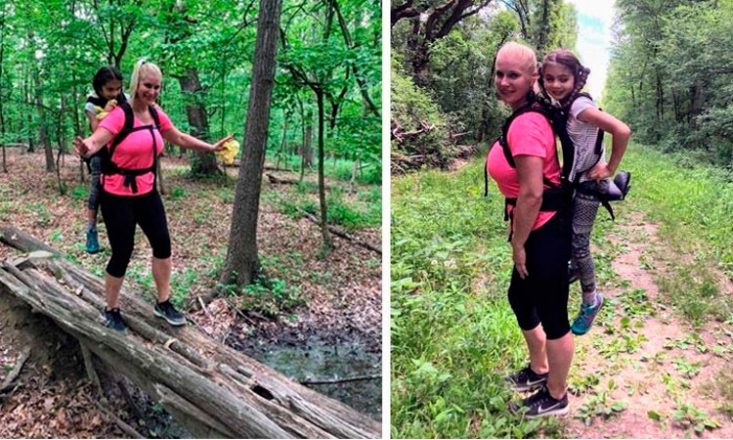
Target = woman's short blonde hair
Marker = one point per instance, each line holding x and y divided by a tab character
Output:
142	68
524	53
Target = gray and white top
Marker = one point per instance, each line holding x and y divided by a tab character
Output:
584	137
91	108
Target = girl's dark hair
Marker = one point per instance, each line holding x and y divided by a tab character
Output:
568	59
104	75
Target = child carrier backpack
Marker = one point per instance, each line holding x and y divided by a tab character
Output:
100	102
557	197
110	168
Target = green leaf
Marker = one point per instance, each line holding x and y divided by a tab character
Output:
654	415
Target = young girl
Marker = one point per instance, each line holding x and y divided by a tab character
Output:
107	84
562	77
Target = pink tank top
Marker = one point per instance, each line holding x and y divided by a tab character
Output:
529	134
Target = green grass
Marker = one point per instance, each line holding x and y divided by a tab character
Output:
454	336
340	169
363	210
453	332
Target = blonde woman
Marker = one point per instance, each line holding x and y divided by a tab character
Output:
525	166
133	133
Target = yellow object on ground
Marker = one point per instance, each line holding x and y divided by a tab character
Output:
228	152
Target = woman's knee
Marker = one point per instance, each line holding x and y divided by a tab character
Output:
556	330
117	265
162	247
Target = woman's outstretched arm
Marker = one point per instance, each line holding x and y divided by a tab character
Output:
94	143
174	136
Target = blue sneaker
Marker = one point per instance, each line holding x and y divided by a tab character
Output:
585	318
92	241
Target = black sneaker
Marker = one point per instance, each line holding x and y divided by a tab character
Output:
113	319
166	311
526	380
542	404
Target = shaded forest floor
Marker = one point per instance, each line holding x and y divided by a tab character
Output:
310	305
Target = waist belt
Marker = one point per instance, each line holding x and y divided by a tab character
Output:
553	199
130	175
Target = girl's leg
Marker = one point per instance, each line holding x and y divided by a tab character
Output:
585	209
91	219
95	189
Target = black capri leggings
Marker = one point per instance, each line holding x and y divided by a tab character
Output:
542	297
121	214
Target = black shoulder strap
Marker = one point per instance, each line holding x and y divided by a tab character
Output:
126	127
557	121
156	117
504	139
96	100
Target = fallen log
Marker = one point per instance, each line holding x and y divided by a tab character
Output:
280	181
208	387
336	231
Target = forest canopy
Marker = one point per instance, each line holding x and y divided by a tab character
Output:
50	50
442	65
669	76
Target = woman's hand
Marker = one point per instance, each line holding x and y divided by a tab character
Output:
220	144
600	172
80	147
520	259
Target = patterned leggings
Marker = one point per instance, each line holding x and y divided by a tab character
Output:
585	208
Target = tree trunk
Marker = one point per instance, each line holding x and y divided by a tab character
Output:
2	78
697	100
202	164
75	105
27	99
308	142
242	257
208	387
47	147
321	179
282	151
43	130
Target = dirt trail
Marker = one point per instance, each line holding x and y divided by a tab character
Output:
646	356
